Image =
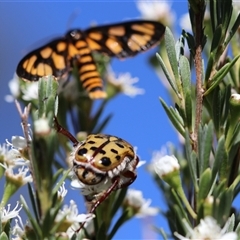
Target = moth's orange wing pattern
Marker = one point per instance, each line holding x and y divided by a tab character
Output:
51	59
125	39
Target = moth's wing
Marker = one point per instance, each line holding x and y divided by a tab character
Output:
125	39
50	59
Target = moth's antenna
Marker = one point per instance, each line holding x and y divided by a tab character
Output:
73	17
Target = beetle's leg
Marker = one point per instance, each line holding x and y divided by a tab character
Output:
132	177
103	196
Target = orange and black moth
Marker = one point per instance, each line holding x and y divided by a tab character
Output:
59	56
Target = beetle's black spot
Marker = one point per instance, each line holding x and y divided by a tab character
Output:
99	136
114	151
91	142
82	151
105	161
118	157
85	173
131	148
93	148
120	145
102	152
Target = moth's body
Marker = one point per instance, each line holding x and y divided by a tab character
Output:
59	56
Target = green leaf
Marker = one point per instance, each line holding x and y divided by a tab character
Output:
205	146
233	30
49	221
217	39
236	189
218	77
224	207
42	86
174	117
57	174
204	185
98	113
4	236
237	230
192	162
1	229
178	205
179	47
217	108
120	196
233	138
99	128
33	201
226	9
209	69
61	180
121	220
190	41
185	73
220	160
34	223
217	191
213	14
167	74
170	48
225	103
161	232
233	75
193	4
188	109
101	231
47	92
230	224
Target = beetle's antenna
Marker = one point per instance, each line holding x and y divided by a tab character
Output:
65	132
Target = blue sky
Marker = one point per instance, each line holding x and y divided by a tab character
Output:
140	120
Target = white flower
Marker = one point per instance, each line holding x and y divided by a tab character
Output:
71	214
41	126
165	165
125	83
11	157
72	218
7	214
62	191
30	92
19	145
18	142
4	152
14	87
208	229
141	163
18	230
134	198
17	154
22	177
185	22
157	10
156	155
235	97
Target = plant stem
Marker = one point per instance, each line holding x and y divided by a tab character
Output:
199	95
198	22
